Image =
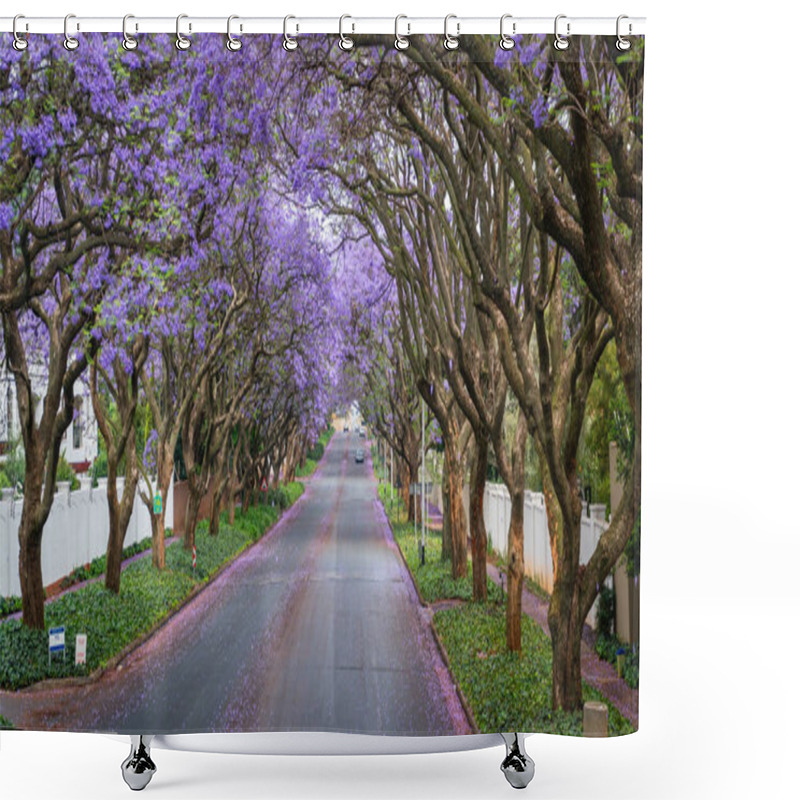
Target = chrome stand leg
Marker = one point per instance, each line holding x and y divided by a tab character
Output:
518	766
138	768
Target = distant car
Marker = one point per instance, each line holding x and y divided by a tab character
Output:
362	433
359	456
347	429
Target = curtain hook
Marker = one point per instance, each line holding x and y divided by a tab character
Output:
70	42
506	42
233	44
560	42
622	42
345	42
400	41
20	42
181	42
128	41
289	42
450	42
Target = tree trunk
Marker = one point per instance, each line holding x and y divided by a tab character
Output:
477	525
116	537
30	571
165	465
412	503
191	518
216	506
247	495
231	505
563	617
516	571
119	513
458	522
565	624
447	533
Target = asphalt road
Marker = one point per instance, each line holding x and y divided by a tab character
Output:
315	628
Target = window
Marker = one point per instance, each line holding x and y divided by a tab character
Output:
77	425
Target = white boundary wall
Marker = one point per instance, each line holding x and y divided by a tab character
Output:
75	533
536	547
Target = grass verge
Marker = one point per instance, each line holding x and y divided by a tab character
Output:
507	692
434	578
146	596
504	691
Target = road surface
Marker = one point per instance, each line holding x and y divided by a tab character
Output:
316	628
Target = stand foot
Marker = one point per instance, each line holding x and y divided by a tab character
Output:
518	766
138	768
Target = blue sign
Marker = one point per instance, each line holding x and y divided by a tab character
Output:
157	503
58	642
58	639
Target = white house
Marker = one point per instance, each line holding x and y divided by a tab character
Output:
79	444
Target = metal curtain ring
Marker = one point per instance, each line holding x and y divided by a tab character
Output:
128	41
506	42
345	42
560	42
622	42
20	43
400	41
70	42
450	42
233	44
289	42
181	42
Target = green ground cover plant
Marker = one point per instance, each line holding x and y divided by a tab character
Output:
504	691
434	578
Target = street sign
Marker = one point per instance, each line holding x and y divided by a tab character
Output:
157	503
58	641
80	648
264	484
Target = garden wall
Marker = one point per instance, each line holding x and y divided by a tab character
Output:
75	533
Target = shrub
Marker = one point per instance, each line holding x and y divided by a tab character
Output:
5	483
14	466
64	471
606	611
100	466
607	647
316	452
277	496
10	605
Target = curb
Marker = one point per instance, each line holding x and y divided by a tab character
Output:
439	644
388	522
118	658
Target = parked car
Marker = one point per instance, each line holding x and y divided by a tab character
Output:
362	433
347	429
359	456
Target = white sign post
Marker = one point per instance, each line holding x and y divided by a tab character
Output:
80	649
58	642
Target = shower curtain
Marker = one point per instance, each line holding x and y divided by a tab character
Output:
321	383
